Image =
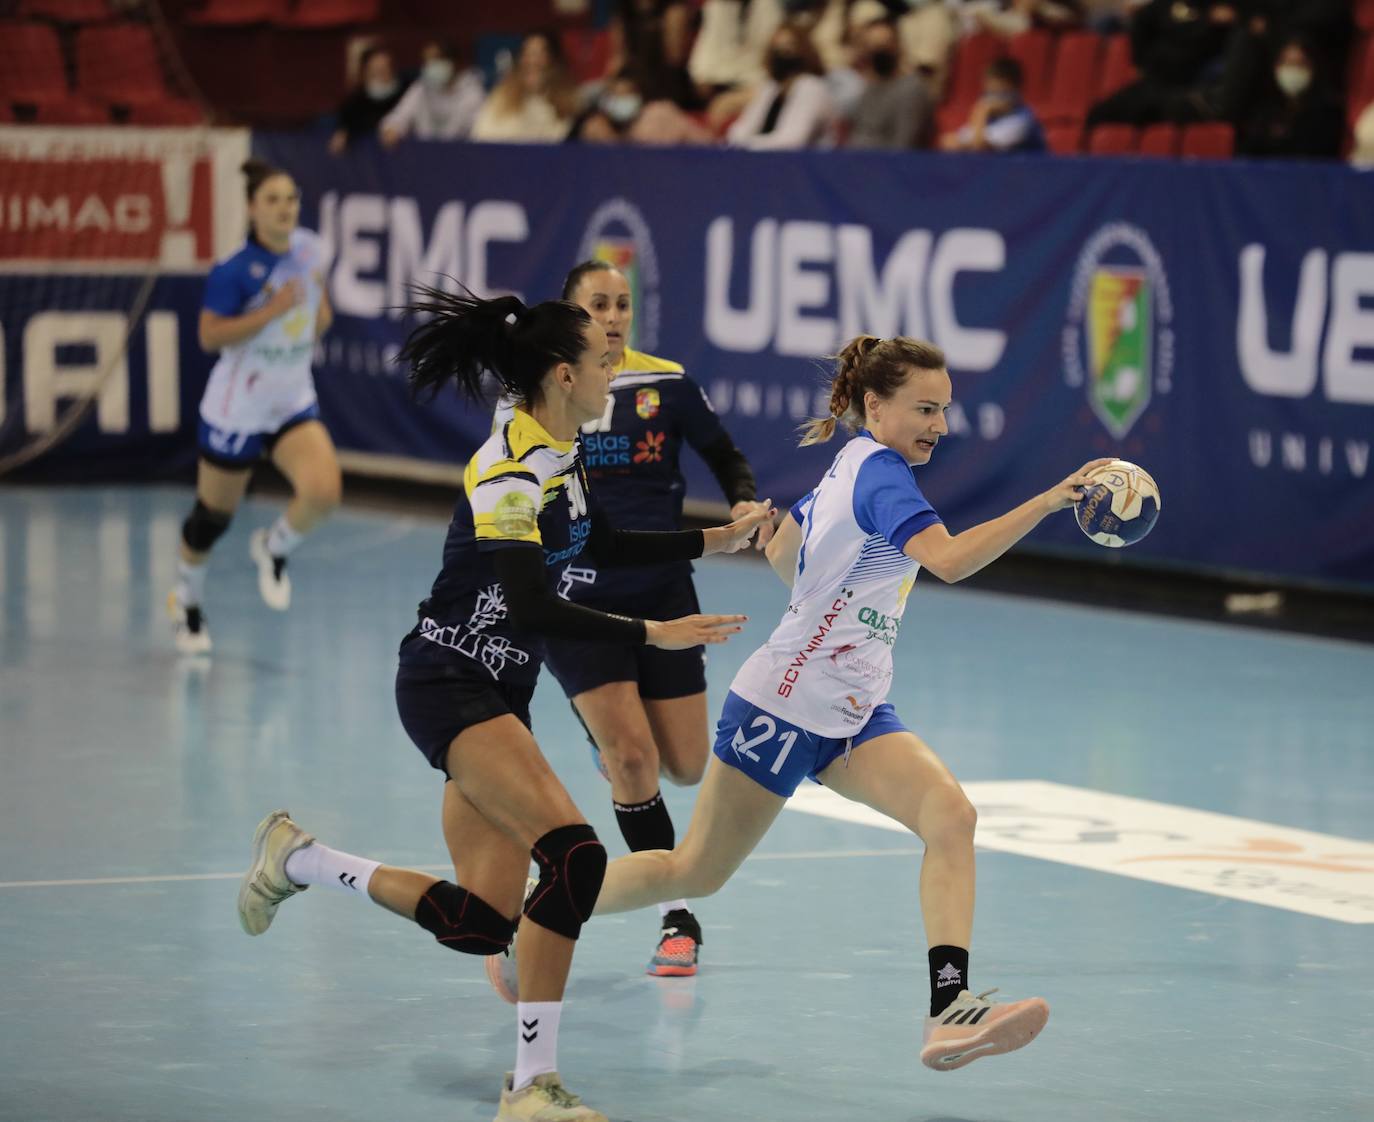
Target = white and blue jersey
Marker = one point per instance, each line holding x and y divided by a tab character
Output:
828	664
260	385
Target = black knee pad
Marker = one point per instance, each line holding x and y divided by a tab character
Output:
203	527
572	864
463	922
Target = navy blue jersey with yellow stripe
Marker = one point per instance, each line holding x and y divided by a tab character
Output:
521	490
633	459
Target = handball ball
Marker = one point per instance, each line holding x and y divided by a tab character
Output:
1120	506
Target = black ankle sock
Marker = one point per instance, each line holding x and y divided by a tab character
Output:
948	975
645	825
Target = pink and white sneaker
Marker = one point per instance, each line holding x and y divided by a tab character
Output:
973	1027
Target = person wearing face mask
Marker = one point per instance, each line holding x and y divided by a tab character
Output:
536	100
376	94
895	108
999	120
622	115
1295	114
441	105
793	108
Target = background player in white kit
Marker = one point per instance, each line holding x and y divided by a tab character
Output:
812	701
265	306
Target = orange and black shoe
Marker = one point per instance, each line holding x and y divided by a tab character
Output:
679	942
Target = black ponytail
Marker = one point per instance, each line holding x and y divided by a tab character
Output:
465	336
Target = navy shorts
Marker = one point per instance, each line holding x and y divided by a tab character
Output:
233	450
436	703
660	675
778	755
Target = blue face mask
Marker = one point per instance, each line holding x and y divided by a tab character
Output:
622	108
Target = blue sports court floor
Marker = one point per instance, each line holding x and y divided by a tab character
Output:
130	784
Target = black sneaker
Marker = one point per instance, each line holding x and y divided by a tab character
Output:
679	941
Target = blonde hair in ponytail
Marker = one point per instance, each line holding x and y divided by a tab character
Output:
869	363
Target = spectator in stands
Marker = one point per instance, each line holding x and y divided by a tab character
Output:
1362	155
1176	45
726	62
621	114
374	96
792	109
536	100
895	108
1000	121
930	32
655	37
441	104
1297	113
1007	18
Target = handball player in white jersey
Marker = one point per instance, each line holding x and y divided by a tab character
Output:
265	306
812	701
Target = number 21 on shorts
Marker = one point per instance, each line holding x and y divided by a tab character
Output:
764	729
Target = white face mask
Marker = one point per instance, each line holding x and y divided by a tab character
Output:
1293	80
437	72
380	91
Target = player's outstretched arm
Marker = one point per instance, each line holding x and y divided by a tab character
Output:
952	557
782	550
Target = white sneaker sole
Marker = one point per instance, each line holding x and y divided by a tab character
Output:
276	594
1007	1034
255	869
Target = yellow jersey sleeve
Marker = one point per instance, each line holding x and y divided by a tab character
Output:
506	498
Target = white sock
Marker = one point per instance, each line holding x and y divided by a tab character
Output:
318	864
672	906
536	1040
190	582
282	539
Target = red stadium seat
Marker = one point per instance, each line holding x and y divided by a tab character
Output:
31	69
1210	141
238	13
587	52
66	11
1361	80
1159	140
971	59
1064	140
1117	68
331	13
119	64
1112	140
1364	15
173	111
1032	49
72	111
1073	79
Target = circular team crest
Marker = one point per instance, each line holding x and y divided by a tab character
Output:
618	234
1119	340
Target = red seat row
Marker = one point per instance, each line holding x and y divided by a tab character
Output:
1206	141
286	13
117	66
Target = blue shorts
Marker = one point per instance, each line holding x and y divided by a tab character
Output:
659	675
778	755
227	449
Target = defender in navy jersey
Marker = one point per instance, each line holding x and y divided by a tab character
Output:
645	709
812	702
469	666
265	306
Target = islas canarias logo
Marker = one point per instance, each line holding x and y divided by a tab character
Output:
1118	342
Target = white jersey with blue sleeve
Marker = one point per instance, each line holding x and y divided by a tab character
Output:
829	662
257	385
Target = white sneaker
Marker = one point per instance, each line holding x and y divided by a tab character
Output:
273	584
265	885
502	972
972	1027
544	1100
189	632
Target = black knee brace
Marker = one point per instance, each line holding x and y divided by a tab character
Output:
572	864
203	527
463	922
